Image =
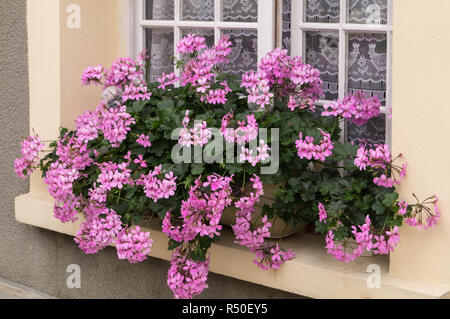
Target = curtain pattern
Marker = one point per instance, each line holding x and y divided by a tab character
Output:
159	9
322	11
374	132
198	10
160	43
240	10
286	25
244	54
367	64
322	52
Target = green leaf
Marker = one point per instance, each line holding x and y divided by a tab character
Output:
378	208
197	169
166	104
390	199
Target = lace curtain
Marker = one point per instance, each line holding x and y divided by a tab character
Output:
323	11
367	64
159	9
244	55
373	132
286	25
322	52
359	11
198	10
160	43
240	10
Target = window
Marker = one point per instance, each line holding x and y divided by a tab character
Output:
160	24
350	42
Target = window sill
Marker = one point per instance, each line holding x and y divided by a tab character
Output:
311	273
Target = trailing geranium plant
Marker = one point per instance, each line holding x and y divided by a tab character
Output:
117	168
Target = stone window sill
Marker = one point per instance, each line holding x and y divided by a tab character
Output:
311	273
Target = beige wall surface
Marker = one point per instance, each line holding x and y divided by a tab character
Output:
33	256
421	130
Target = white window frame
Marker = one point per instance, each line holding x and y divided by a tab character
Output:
265	26
298	47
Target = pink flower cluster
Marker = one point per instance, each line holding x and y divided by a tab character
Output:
115	124
307	149
156	187
199	135
259	93
73	153
272	256
133	245
246	131
202	211
261	154
245	236
267	255
365	240
191	44
200	72
59	179
87	126
167	79
358	108
187	278
125	74
93	75
25	165
422	217
279	76
111	176
100	229
322	213
380	159
144	140
215	96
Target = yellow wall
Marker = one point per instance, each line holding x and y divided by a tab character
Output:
96	42
57	57
421	129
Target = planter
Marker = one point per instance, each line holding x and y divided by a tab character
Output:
279	228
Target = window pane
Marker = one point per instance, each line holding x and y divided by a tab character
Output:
286	26
197	10
323	11
159	10
367	11
240	10
322	52
159	42
244	56
374	132
367	64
